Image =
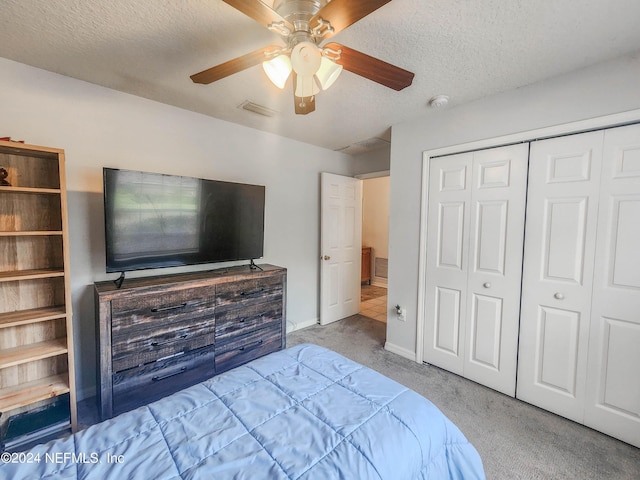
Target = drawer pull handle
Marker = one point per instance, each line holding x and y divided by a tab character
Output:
157	378
181	337
172	307
249	294
247	347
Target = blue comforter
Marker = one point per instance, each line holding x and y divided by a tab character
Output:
301	413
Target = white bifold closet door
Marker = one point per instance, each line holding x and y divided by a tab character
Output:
613	364
579	353
560	240
475	228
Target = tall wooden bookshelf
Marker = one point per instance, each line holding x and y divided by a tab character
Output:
37	381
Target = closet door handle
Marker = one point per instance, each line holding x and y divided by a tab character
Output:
558	296
486	284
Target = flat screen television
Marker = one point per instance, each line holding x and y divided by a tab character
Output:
154	220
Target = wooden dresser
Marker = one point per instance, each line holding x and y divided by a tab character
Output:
157	335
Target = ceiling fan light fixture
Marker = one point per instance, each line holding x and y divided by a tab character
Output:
303	25
306	86
278	70
328	73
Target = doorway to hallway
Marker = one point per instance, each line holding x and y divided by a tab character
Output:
373	302
375	246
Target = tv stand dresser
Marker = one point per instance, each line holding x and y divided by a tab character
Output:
157	335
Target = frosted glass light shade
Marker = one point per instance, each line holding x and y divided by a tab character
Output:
306	86
328	73
306	58
278	70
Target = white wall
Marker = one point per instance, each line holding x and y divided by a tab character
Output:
375	220
604	89
100	127
374	161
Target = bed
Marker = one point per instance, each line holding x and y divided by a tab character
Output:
301	413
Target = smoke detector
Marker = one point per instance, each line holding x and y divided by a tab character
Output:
439	101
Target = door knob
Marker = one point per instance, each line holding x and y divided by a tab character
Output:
327	257
486	284
558	296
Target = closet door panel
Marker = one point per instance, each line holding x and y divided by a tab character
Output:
491	237
613	385
495	265
562	210
565	222
447	321
447	260
625	263
557	332
486	326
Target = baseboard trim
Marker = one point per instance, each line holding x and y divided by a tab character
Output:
86	392
379	282
293	326
403	352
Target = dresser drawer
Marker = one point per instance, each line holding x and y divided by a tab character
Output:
139	312
241	349
248	292
145	328
147	383
145	346
236	322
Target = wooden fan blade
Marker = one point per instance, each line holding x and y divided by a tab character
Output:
260	12
232	66
372	68
342	13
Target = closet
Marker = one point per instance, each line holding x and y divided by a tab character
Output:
474	262
574	336
580	320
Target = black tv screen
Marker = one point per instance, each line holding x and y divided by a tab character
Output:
154	220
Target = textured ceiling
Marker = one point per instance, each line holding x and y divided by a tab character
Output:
462	48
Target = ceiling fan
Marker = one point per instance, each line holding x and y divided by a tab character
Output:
304	25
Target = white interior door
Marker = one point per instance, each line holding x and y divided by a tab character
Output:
613	382
475	226
562	209
341	247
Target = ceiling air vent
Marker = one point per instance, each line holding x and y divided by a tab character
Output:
259	109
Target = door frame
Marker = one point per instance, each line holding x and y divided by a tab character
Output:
607	121
326	315
369	176
363	176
